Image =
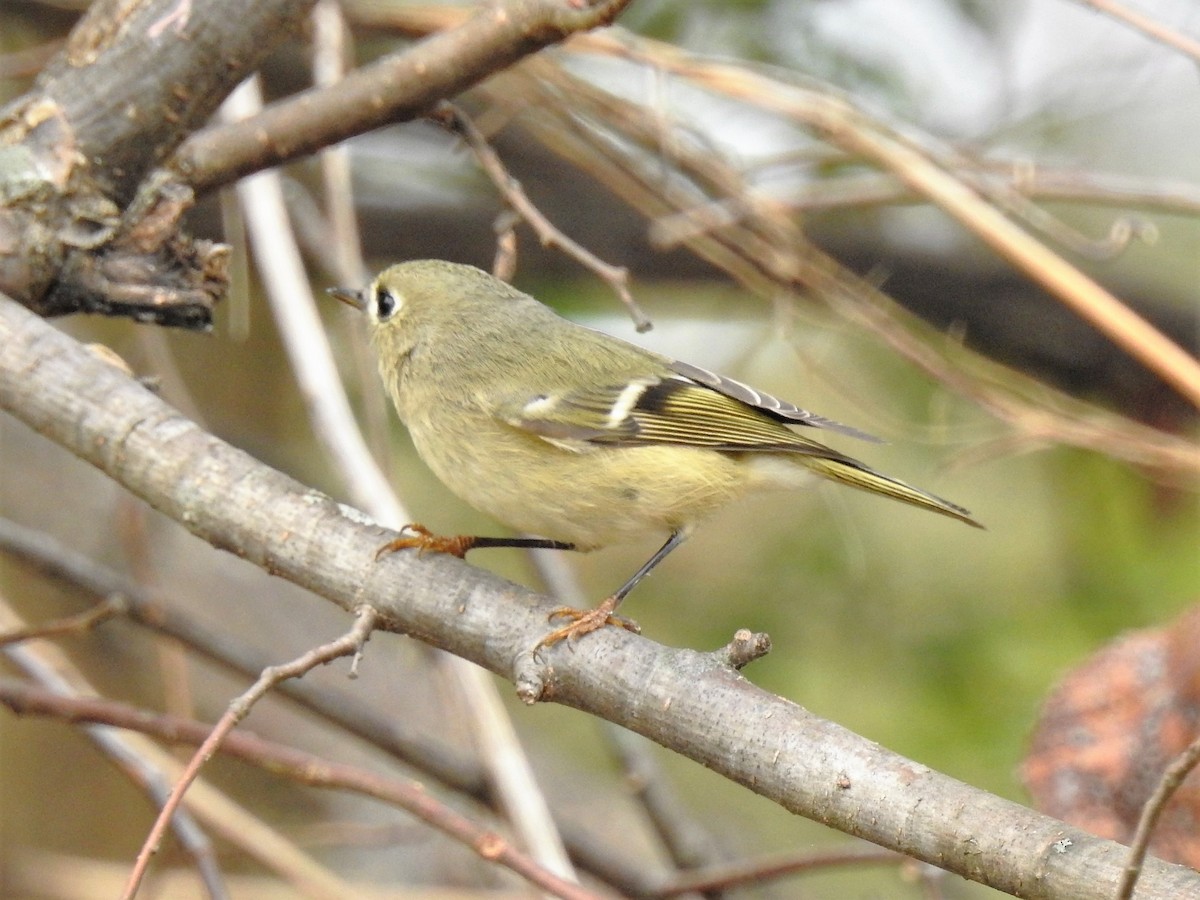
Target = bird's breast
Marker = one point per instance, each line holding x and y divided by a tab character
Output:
591	496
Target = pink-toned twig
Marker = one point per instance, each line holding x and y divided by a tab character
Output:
350	643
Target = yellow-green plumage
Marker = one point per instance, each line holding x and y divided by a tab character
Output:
564	432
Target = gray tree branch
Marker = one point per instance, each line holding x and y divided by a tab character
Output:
692	703
396	88
87	224
134	78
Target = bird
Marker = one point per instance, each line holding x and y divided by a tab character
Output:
578	437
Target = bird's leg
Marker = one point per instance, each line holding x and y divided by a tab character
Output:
584	621
421	539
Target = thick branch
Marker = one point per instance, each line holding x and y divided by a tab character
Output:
135	79
447	764
394	89
689	702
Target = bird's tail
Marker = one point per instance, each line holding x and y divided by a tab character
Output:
857	475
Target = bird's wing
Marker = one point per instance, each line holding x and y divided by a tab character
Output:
663	410
777	409
677	410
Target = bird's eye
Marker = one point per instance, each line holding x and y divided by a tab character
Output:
386	304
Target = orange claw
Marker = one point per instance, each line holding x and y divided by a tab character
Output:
422	540
585	621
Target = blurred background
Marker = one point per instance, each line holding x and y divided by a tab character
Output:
935	640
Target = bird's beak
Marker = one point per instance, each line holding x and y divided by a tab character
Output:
357	299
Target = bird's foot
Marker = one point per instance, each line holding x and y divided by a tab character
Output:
584	621
422	540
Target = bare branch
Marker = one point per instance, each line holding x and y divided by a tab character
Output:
1153	808
457	122
150	769
437	760
838	121
78	149
397	88
130	91
685	701
757	871
350	643
304	768
118	99
1151	27
109	608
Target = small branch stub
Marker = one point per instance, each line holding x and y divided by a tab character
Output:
745	648
531	677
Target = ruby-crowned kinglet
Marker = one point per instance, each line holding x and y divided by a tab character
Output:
558	430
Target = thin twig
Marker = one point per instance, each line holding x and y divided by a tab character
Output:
769	259
1171	779
350	643
110	607
331	42
1148	26
152	771
756	871
47	666
504	264
686	838
457	122
304	768
838	121
1033	181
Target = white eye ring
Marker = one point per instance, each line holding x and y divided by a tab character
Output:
386	304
